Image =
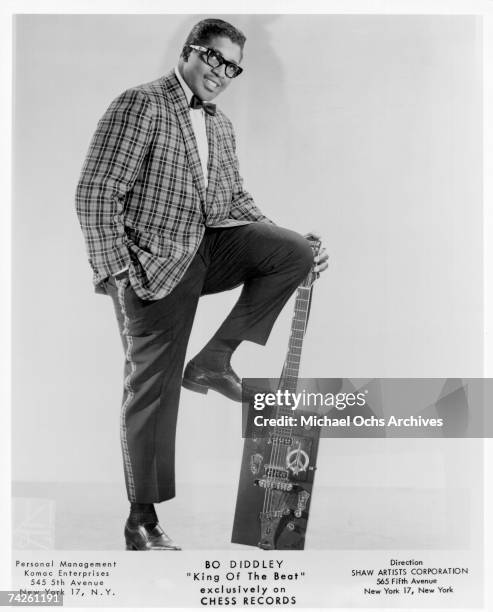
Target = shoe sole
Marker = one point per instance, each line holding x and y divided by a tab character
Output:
134	548
204	389
193	386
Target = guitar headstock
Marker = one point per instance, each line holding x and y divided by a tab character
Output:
316	244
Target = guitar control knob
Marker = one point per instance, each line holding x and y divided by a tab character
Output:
290	526
255	463
297	513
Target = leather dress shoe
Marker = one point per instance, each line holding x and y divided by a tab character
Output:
147	536
200	379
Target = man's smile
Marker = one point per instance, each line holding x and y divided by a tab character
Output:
210	84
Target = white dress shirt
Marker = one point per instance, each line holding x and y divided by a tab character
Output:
197	117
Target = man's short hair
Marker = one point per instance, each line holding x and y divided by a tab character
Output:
204	30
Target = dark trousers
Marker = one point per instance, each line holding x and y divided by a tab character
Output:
269	262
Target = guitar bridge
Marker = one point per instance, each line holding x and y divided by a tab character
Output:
277	485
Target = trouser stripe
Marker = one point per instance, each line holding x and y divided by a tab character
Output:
129	391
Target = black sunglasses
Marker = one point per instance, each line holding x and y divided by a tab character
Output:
214	59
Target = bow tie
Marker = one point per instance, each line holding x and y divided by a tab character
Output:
209	108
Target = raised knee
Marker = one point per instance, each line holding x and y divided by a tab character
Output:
301	254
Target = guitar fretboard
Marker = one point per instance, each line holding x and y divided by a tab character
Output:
291	369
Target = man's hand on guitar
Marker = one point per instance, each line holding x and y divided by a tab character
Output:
321	260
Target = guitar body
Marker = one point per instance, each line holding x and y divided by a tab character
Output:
278	465
273	503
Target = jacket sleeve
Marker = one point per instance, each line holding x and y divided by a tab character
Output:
114	160
242	205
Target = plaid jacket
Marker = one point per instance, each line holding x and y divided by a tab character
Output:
141	198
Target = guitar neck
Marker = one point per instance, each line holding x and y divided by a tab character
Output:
290	372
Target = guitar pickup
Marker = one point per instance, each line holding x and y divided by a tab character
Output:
280	439
272	471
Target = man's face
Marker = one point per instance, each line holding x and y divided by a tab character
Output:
206	82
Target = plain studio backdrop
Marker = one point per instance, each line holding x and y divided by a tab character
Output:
365	129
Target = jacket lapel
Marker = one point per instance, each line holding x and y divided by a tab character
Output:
213	161
179	100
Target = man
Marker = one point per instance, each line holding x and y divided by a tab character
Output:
166	219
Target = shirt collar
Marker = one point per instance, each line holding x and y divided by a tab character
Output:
185	87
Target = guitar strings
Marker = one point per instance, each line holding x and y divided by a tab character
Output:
277	445
276	451
279	450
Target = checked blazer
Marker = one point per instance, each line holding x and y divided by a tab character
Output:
141	198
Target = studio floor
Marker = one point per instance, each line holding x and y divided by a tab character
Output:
88	516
